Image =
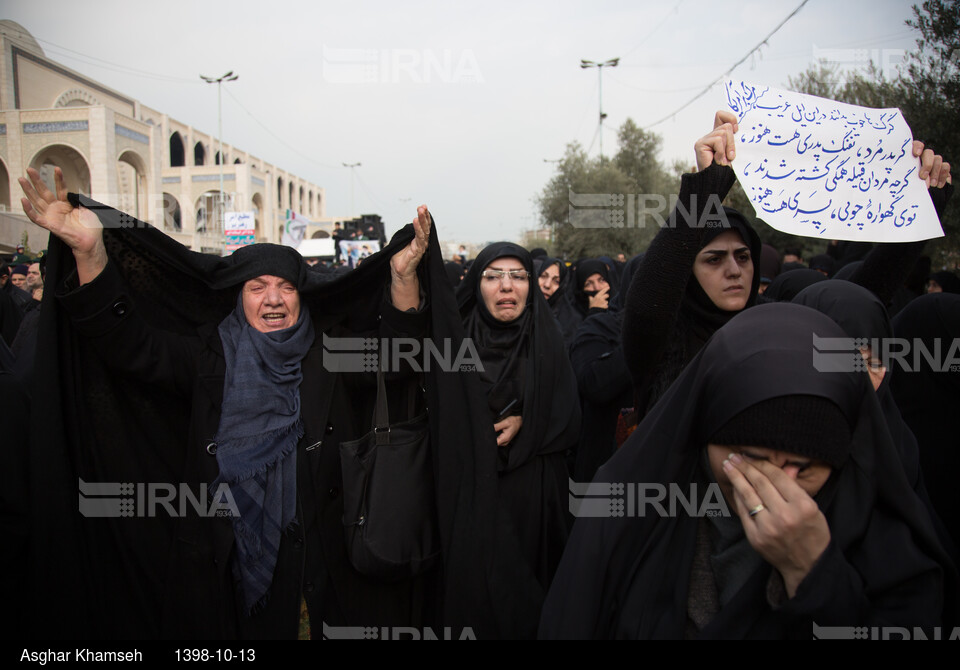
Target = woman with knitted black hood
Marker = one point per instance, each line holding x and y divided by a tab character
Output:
531	398
700	270
801	525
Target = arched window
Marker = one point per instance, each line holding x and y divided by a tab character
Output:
198	153
177	158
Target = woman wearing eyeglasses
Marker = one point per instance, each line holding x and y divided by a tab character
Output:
532	399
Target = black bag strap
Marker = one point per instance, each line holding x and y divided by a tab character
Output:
381	420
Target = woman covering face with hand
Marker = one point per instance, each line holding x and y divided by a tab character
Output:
819	526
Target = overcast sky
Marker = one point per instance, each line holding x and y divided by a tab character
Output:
455	104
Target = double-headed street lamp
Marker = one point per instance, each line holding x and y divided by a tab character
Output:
229	76
607	63
351	166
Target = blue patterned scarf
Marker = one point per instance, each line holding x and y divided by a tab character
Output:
260	427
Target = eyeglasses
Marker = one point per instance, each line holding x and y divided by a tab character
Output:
497	275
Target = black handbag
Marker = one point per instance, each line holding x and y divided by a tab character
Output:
389	507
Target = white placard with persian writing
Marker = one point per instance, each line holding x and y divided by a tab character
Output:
819	168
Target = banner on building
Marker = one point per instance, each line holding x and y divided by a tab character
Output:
239	229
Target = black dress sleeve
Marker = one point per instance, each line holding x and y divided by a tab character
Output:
104	312
654	296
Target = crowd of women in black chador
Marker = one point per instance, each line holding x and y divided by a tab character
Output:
837	484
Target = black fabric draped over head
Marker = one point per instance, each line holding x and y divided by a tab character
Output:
948	281
786	286
699	312
769	263
107	576
540	266
929	397
629	576
862	316
604	381
699	317
585	269
454	272
525	360
561	302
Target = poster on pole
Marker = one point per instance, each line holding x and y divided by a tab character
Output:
294	229
239	229
818	168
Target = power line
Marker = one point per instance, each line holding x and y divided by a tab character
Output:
655	28
276	137
117	67
732	68
370	195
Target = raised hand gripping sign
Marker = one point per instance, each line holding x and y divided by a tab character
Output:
819	168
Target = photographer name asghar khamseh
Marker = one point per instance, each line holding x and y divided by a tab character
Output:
51	656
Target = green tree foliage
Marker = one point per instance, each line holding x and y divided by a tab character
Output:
634	171
927	91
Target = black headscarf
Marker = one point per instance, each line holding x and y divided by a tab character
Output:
561	302
525	360
863	317
698	311
769	264
540	266
454	272
786	287
629	576
824	263
928	398
585	269
948	281
699	317
604	381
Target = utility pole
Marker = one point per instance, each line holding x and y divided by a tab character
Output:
584	64
351	166
229	76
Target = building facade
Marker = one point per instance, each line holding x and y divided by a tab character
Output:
128	156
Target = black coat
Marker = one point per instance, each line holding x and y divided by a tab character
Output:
198	594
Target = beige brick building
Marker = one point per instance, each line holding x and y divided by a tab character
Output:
126	155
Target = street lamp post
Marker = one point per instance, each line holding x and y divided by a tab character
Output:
351	166
229	76
608	63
